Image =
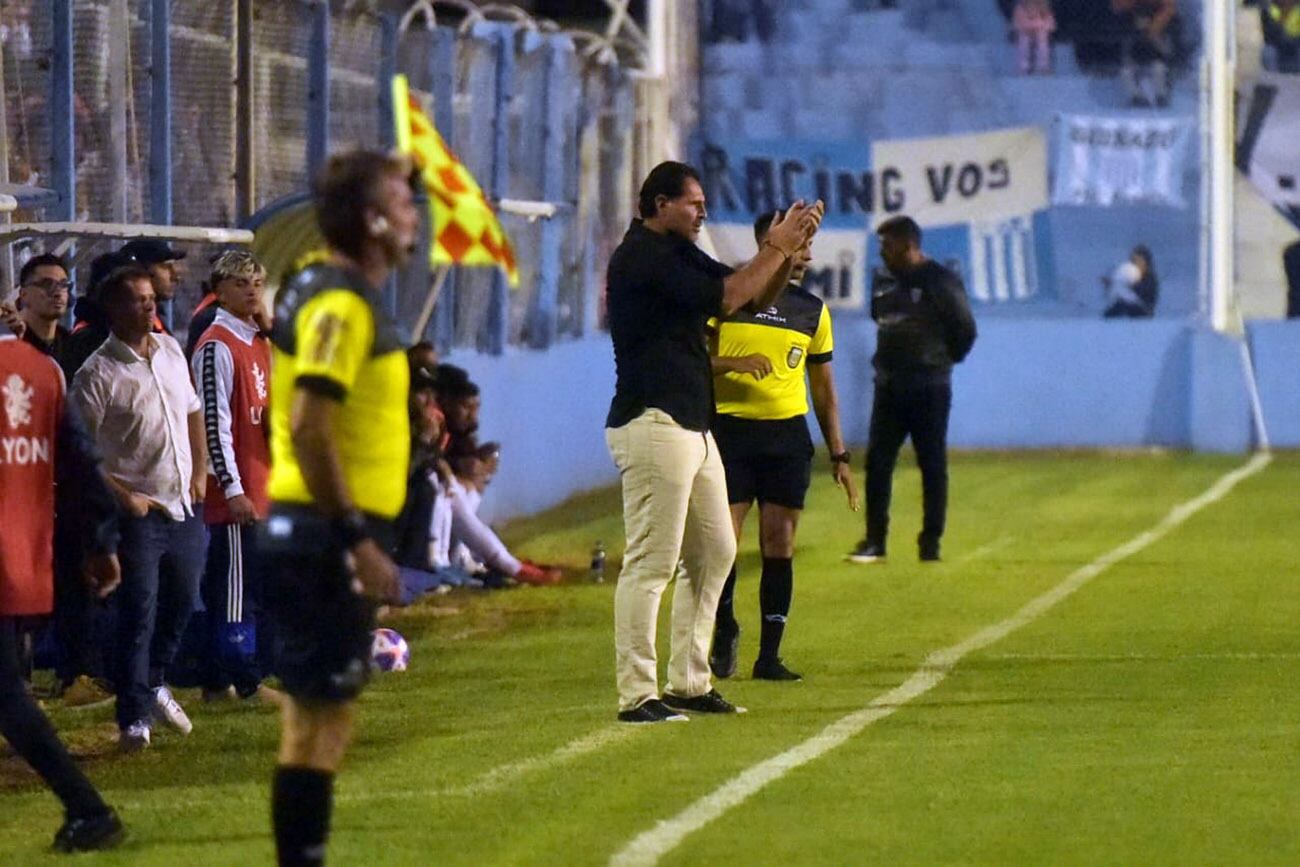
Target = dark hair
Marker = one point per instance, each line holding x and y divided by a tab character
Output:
103	265
489	450
763	223
901	227
666	179
342	192
454	383
112	286
43	260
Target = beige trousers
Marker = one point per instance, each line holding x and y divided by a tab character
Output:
674	509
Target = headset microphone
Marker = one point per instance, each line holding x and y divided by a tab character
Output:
379	226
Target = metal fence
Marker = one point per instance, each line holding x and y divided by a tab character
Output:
534	112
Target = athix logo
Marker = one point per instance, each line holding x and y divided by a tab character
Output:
771	314
259	377
18	401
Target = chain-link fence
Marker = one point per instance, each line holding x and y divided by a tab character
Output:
535	114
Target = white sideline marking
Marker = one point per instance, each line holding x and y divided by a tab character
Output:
503	776
493	780
987	549
651	845
1139	657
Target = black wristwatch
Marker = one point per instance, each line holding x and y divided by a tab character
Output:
350	528
843	457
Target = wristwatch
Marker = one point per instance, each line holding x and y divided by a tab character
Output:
843	457
350	528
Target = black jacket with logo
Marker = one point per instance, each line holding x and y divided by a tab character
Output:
925	324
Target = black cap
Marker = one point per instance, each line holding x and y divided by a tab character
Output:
150	251
103	265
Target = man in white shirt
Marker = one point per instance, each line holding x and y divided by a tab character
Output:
140	406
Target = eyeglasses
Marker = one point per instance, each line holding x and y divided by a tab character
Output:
50	286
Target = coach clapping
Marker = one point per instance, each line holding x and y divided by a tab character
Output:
662	289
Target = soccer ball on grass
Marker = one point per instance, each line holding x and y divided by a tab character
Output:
389	651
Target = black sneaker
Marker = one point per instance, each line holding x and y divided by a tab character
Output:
722	658
652	710
773	669
103	831
866	552
928	550
710	702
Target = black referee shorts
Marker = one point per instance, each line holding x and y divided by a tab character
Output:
323	623
768	461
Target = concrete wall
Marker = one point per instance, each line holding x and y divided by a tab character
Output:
1028	384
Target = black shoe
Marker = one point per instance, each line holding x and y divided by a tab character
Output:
102	831
773	669
928	550
722	658
866	552
652	710
710	702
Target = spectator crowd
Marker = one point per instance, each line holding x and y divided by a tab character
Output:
181	431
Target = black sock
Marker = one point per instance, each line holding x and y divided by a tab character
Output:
301	801
726	622
774	591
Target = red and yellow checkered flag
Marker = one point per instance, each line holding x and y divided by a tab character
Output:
466	230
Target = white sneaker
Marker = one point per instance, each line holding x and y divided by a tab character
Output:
167	708
134	737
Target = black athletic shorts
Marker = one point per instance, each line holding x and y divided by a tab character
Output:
768	461
322	622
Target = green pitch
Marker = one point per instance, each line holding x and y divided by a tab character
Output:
1151	717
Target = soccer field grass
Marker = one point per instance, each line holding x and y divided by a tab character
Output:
1150	717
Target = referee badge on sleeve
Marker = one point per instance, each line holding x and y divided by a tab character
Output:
793	357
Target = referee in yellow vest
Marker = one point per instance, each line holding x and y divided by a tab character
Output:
759	360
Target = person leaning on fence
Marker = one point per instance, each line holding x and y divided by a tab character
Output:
662	289
140	406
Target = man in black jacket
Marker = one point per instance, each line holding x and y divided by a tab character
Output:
924	328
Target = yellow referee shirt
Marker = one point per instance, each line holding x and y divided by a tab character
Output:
795	331
331	338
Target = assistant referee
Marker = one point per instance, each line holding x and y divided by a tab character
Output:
340	444
762	433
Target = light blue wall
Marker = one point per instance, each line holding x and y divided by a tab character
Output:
1028	384
1054	384
547	408
1275	347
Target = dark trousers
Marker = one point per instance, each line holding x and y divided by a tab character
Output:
78	619
899	410
232	597
162	564
32	736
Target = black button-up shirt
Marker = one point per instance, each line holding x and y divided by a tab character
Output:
662	289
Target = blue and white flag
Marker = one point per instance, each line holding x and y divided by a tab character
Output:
1104	161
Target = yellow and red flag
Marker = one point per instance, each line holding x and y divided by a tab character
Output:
466	230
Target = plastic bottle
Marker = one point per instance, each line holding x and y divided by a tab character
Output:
598	563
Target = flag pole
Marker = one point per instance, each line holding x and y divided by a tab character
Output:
430	301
